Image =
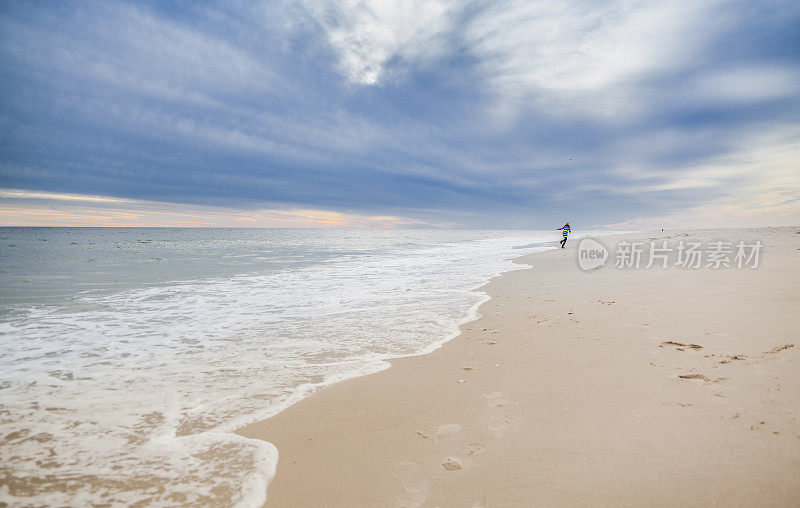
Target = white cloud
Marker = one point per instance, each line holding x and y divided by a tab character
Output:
557	55
58	196
589	58
368	34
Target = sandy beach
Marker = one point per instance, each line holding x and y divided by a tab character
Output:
663	387
307	253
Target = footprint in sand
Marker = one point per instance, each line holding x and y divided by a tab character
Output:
778	349
474	449
452	464
679	345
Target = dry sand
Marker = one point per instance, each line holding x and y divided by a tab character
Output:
611	387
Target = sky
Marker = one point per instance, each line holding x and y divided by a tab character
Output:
621	114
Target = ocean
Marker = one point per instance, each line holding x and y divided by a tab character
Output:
128	356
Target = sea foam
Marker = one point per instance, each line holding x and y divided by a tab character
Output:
128	396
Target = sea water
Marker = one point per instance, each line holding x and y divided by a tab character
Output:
128	356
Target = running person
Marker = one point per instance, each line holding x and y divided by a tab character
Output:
565	231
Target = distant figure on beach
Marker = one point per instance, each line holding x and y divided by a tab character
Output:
565	228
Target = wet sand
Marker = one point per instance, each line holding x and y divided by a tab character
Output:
612	387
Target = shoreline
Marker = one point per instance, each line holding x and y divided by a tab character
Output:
381	365
477	419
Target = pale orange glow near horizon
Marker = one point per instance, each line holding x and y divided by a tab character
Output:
31	208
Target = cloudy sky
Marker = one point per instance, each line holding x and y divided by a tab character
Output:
508	114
